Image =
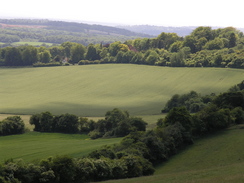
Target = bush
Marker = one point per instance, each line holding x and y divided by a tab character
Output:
50	64
12	125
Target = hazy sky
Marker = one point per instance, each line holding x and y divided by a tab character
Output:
151	12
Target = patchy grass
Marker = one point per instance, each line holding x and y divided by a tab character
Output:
91	90
216	158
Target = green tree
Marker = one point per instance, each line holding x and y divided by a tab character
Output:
166	39
232	40
92	53
77	53
57	52
43	122
152	57
181	115
203	32
114	48
13	57
190	42
176	46
45	56
138	123
67	123
29	55
215	44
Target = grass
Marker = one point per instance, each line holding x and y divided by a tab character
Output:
217	158
33	146
33	43
92	90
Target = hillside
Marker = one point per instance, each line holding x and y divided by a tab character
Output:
92	90
15	30
216	158
35	145
156	30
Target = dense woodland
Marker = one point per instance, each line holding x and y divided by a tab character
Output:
138	152
204	47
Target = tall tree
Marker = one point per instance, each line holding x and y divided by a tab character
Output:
77	53
45	56
13	57
92	53
29	55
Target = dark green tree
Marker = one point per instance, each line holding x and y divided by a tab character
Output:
29	55
77	53
13	57
92	53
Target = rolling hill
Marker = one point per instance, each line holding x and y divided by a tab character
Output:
37	30
216	158
92	90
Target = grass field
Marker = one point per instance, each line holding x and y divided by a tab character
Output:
31	43
92	90
34	145
217	158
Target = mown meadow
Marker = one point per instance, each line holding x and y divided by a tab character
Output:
91	90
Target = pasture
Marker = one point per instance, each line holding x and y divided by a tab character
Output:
35	146
216	158
91	90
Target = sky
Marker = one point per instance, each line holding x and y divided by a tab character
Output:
131	12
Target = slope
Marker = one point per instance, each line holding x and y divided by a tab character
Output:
91	90
216	158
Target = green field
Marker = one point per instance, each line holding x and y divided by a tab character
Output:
32	43
35	146
217	158
92	90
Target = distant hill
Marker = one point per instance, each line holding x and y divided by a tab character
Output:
156	30
44	30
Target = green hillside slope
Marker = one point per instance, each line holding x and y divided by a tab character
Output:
217	158
94	89
34	145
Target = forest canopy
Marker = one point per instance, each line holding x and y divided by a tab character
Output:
204	47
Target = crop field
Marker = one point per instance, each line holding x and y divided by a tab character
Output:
91	90
217	158
35	146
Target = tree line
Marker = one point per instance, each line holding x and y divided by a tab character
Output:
204	47
139	151
117	123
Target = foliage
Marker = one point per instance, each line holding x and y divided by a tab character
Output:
204	47
12	125
193	101
46	122
117	123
